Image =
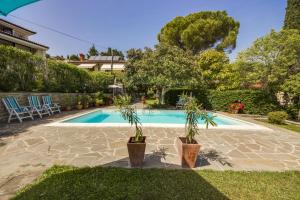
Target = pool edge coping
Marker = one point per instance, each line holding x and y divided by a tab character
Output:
251	126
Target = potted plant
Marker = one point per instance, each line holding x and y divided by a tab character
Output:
99	99
79	102
136	145
99	102
188	147
85	101
68	106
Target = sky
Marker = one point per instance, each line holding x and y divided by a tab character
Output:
125	24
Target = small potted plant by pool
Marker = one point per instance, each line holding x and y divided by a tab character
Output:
68	103
188	147
136	145
79	102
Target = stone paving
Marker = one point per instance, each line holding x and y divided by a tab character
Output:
27	150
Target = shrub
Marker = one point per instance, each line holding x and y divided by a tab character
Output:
277	117
64	77
19	70
150	94
99	81
22	71
255	101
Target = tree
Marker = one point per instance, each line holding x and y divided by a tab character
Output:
116	52
292	17
292	87
74	57
270	60
93	51
211	63
200	31
162	68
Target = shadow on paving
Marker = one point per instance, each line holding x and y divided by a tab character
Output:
111	182
16	128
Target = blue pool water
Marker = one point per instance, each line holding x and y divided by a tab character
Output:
146	116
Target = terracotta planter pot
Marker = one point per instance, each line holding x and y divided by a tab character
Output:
136	152
79	107
188	152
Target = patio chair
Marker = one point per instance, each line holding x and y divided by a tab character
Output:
36	107
180	103
16	111
52	107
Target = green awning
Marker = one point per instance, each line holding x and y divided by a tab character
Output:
7	6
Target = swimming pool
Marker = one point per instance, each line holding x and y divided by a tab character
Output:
150	118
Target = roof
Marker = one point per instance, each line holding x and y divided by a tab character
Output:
86	66
104	58
12	24
7	34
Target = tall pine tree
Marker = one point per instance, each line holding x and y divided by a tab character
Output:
292	17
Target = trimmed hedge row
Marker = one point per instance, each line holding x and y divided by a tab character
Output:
22	71
256	101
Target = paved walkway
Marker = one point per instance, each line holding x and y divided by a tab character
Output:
27	150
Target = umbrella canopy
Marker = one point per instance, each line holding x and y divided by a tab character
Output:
7	6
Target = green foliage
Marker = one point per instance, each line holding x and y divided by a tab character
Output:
74	57
193	113
68	100
99	81
292	17
19	70
277	117
64	77
211	63
129	113
93	51
200	31
22	71
292	85
79	100
161	68
115	52
150	94
256	101
270	61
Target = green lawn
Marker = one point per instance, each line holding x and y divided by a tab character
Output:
117	183
291	127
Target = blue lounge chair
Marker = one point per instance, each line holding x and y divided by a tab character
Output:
15	111
36	106
52	107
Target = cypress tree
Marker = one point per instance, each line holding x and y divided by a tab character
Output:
292	17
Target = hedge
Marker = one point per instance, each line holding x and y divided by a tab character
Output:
256	101
23	71
19	70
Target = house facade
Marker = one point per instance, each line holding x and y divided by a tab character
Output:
17	36
100	63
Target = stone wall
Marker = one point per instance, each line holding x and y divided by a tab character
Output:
23	101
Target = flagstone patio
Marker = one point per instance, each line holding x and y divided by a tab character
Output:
27	150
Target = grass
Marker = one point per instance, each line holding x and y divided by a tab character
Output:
62	182
292	127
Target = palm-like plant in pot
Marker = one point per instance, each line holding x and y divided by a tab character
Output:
188	147
136	145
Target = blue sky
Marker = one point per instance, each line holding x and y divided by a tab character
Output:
126	24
